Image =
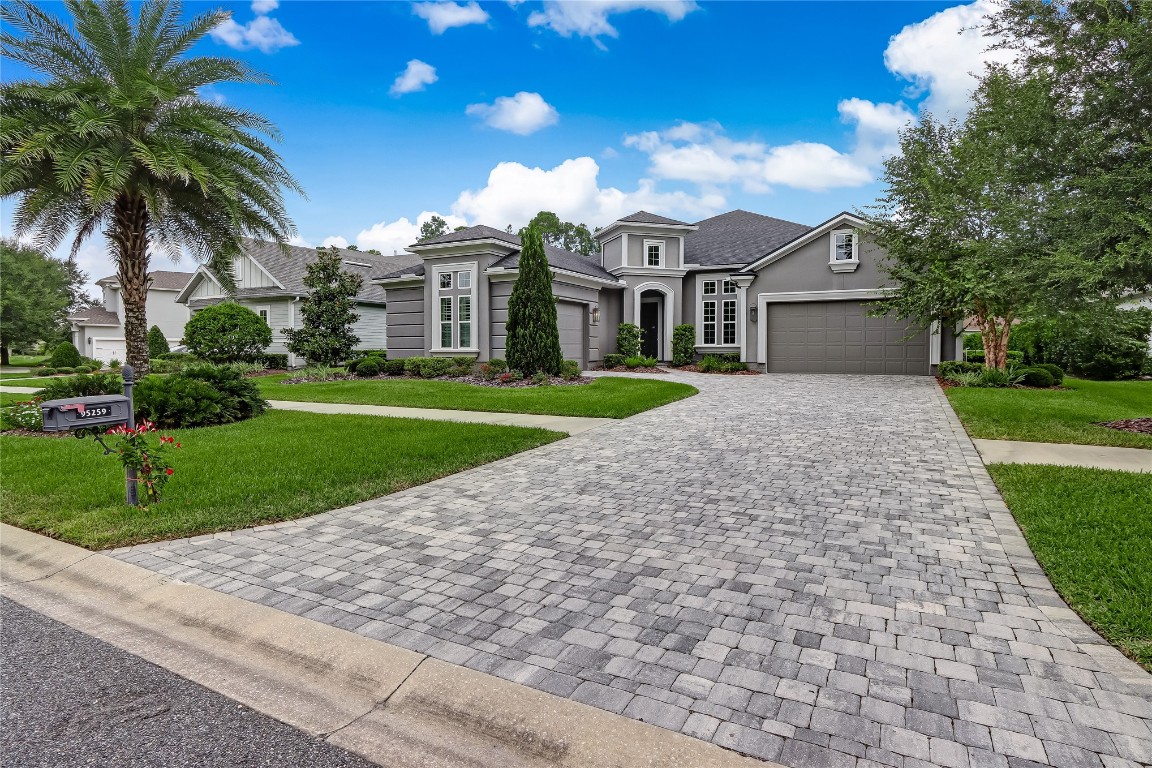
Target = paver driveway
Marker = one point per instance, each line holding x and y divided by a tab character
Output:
810	569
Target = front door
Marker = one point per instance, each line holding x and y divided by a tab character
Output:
650	323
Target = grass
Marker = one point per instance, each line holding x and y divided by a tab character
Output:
26	361
1056	415
38	383
278	466
9	398
1089	529
10	375
607	397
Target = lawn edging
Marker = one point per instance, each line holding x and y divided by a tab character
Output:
1031	576
355	692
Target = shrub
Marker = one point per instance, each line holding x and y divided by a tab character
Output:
995	377
84	369
950	367
1036	377
509	376
726	363
683	344
200	396
428	367
164	366
570	369
83	386
628	338
354	365
66	371
91	362
319	372
533	333
244	395
23	415
1011	356
43	371
183	356
65	355
394	367
639	361
1055	370
226	333
328	312
157	344
540	379
462	365
276	361
965	378
493	368
613	361
369	367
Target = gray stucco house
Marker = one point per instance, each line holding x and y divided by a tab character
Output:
98	331
786	297
270	282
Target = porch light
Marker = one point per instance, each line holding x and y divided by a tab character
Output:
595	315
752	313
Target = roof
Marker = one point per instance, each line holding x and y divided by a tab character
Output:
289	265
163	280
738	237
478	232
94	316
643	217
562	259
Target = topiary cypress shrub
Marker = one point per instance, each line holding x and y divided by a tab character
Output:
65	355
533	333
1035	377
683	344
157	344
226	333
628	338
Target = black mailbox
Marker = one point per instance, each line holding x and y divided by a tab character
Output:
99	411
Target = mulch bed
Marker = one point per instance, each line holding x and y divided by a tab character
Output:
1142	425
266	372
33	433
696	369
626	369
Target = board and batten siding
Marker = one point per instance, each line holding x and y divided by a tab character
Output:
279	314
405	322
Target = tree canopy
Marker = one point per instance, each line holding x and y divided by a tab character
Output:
328	312
564	234
35	293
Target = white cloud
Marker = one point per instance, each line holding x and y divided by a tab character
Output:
814	167
389	237
335	240
589	18
943	54
442	16
300	241
263	33
264	6
415	77
515	193
878	128
523	113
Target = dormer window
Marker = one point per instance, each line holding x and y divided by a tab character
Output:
654	253
844	255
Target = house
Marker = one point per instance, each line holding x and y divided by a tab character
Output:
270	281
98	331
785	297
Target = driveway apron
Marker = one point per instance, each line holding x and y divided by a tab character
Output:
809	569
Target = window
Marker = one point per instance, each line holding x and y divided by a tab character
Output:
463	280
729	328
263	312
843	246
654	253
445	280
709	324
464	318
729	287
709	287
446	319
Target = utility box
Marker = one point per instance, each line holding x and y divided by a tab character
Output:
94	411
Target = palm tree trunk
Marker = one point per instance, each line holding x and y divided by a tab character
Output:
130	233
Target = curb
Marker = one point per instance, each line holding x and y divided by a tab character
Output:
1032	577
392	706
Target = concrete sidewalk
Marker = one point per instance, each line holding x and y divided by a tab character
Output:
571	424
1093	456
19	390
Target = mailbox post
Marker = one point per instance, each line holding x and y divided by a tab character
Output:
131	491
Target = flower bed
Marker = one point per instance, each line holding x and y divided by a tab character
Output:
626	369
696	369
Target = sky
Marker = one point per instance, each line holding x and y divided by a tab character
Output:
489	112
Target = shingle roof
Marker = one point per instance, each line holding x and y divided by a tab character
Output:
738	237
94	316
290	264
643	217
403	272
478	232
562	259
164	280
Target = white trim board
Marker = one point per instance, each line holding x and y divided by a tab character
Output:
853	294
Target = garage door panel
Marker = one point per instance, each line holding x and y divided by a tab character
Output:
840	337
571	320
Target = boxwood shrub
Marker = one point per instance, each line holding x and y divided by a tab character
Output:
1056	371
1036	377
614	361
199	396
428	367
394	367
368	367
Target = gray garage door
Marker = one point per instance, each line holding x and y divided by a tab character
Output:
839	337
572	319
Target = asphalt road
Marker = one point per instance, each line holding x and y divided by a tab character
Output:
67	699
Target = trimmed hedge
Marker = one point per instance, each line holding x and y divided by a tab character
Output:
683	344
1036	377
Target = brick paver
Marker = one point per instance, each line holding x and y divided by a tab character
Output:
814	570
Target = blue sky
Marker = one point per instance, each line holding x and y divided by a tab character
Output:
486	113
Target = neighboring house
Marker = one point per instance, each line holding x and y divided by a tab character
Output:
783	296
98	332
270	281
1139	301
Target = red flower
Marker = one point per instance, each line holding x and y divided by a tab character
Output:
168	471
177	445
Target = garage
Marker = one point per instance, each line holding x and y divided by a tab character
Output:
572	318
107	350
840	337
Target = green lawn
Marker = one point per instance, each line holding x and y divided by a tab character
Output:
1090	530
40	382
1056	415
277	466
8	398
10	375
25	361
607	397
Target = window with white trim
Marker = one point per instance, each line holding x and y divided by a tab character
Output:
729	327
709	288
708	326
844	247
654	253
729	287
455	289
263	312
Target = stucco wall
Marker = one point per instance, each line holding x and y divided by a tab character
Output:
672	258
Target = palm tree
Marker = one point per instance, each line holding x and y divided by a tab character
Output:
116	137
